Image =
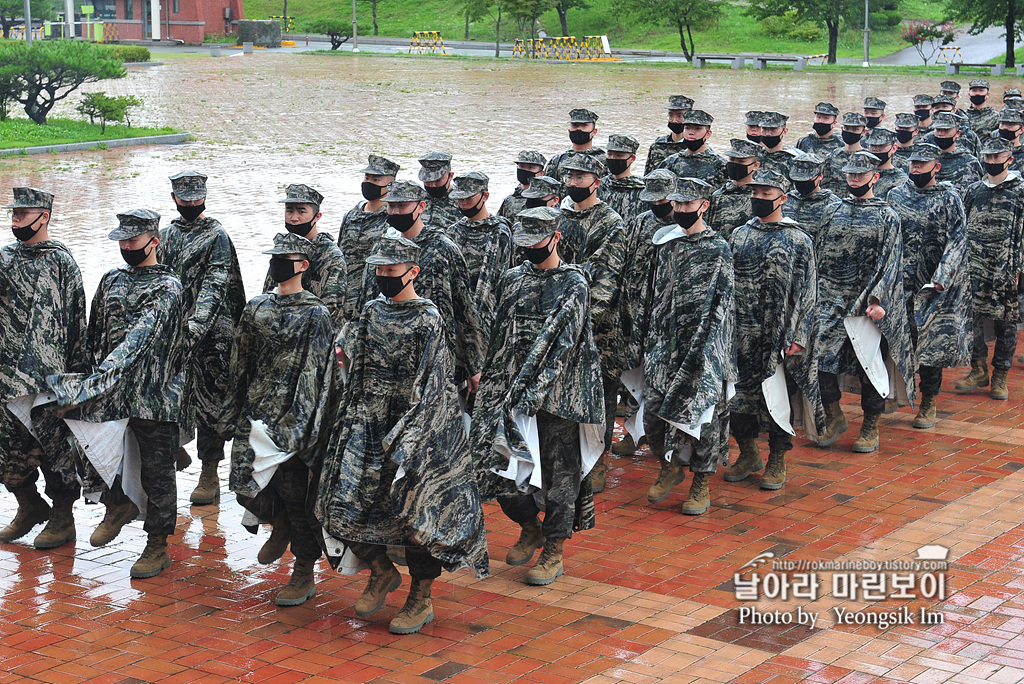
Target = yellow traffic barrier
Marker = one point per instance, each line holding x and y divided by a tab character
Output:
427	41
291	22
823	57
564	48
950	54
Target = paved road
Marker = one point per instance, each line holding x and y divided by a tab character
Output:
980	48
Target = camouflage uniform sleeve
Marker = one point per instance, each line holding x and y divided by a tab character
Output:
94	351
240	374
334	291
803	295
212	294
469	339
139	338
891	266
604	258
956	242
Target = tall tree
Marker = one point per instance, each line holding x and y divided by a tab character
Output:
827	13
495	9
563	7
685	15
50	70
985	13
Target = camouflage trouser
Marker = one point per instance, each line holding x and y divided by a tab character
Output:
870	400
748	425
22	456
422	566
1006	343
208	443
706	452
931	376
287	493
611	403
569	502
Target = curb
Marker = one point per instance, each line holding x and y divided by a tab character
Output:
168	139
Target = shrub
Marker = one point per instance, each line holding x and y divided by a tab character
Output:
130	53
105	108
927	37
787	26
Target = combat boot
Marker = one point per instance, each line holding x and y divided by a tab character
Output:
625	446
154	558
672	473
531	538
700	495
32	510
384	578
116	517
748	462
301	585
999	389
60	529
417	611
183	461
277	544
835	424
208	489
978	377
891	406
598	474
868	440
925	417
549	565
775	473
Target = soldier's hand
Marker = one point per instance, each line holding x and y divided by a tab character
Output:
938	287
342	357
473	383
794	349
875	312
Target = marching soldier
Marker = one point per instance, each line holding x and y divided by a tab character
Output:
582	131
806	202
824	139
730	204
620	189
697	160
667	145
436	175
529	164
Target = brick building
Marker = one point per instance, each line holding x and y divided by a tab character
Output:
187	20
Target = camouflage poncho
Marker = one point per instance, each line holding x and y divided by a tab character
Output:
808	211
859	253
706	165
811	143
889	179
995	245
282	364
441	213
730	207
135	348
489	252
327	278
397	467
984	120
660	150
637	281
959	168
834	179
776	291
934	232
779	161
359	232
622	195
512	205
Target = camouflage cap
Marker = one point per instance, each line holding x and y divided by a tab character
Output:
773	120
942	120
405	191
542	186
979	83
742	149
698	117
771	179
879	136
754	117
582	116
535	225
854	119
1011	92
995	145
679	102
623	143
531	157
587	163
1011	116
925	152
806	166
658	185
302	194
943	100
861	162
393	249
380	166
135	222
290	243
189	186
434	165
826	108
469	184
922	101
1014	102
688	189
31	198
949	87
873	103
904	120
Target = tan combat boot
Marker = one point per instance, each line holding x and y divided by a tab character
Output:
978	377
277	543
531	538
868	440
891	406
549	565
417	611
672	473
835	424
32	510
999	389
301	585
625	446
748	462
154	558
926	412
775	473
700	495
116	517
598	474
208	489
384	579
183	461
60	529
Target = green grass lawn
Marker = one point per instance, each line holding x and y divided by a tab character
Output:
18	132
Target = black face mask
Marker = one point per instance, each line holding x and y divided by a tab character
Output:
882	157
26	233
676	128
190	213
754	138
978	99
300	228
617	166
762	207
904	136
524	176
661	210
580	137
685	219
873	121
944	143
921	179
694	145
372	191
922	114
858	192
581	194
994	169
134	257
850	138
282	269
1008	134
534	202
538	255
391	286
806	187
771	141
823	129
736	171
437	191
402	222
473	210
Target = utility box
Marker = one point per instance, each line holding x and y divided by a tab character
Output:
265	33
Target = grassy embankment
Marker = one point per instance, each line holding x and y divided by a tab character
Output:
16	133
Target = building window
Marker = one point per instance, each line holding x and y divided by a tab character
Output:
105	9
129	6
176	8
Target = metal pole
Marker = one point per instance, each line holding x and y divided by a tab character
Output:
355	29
69	11
867	32
28	23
